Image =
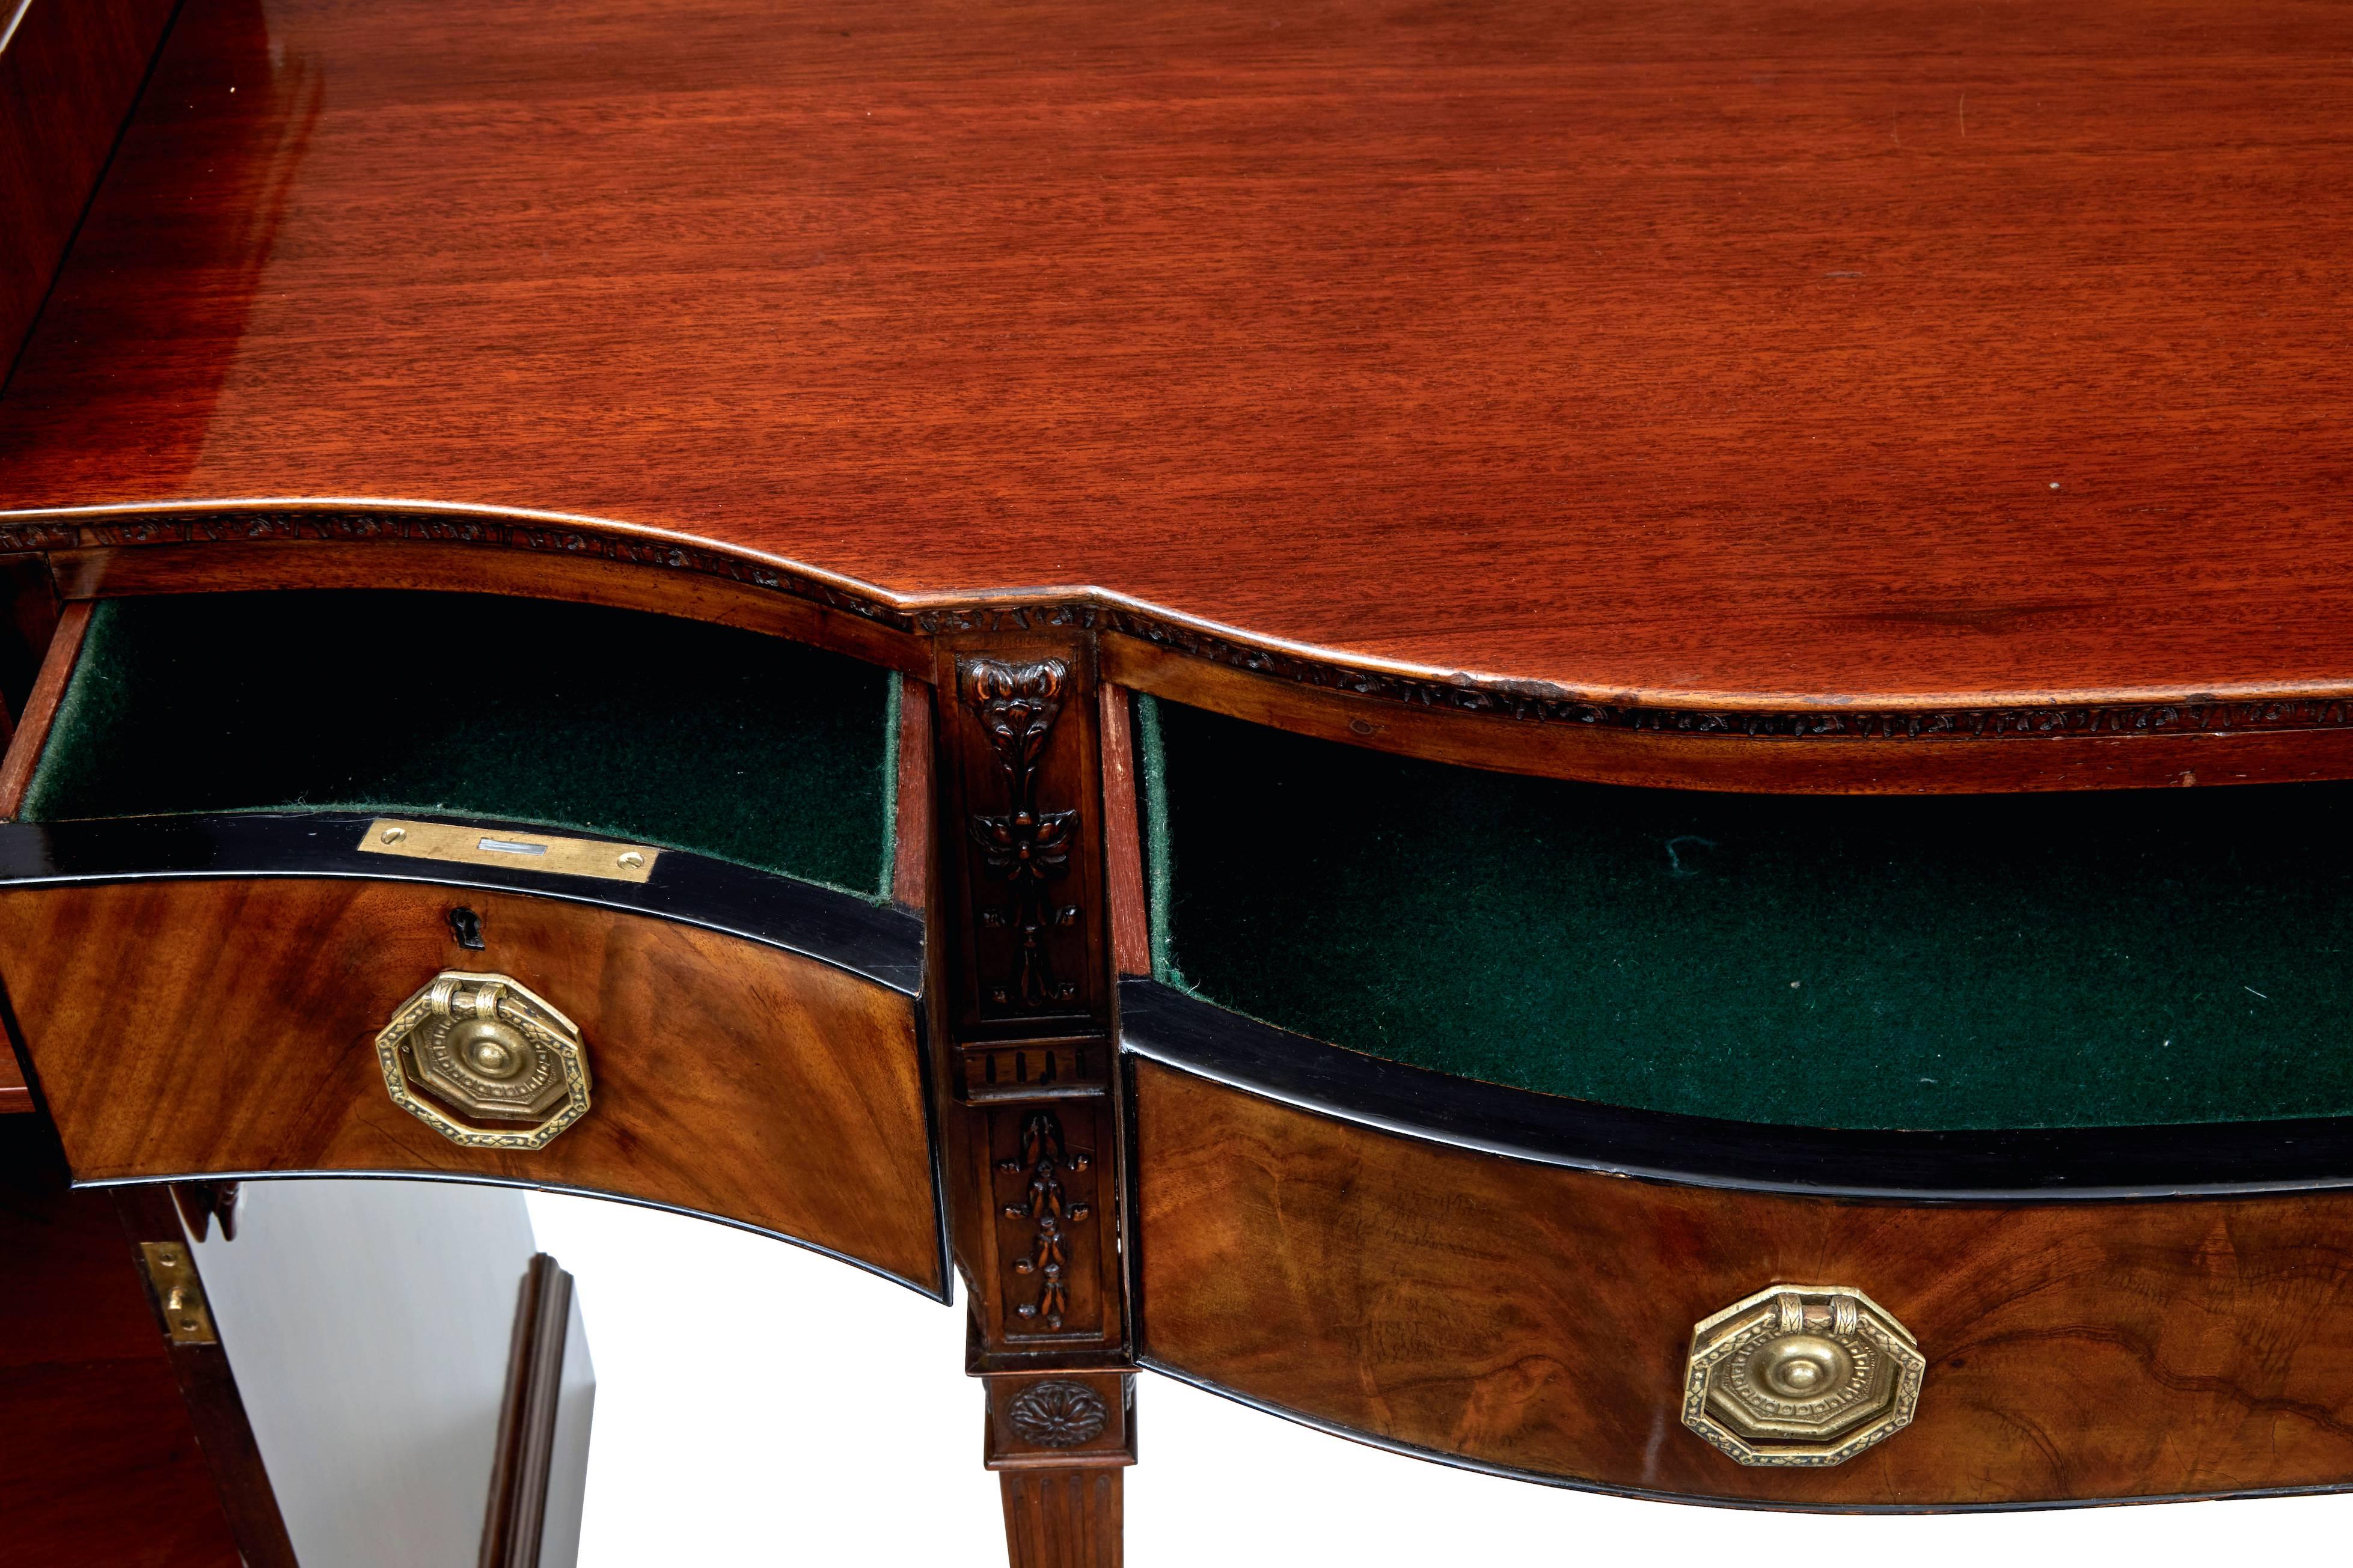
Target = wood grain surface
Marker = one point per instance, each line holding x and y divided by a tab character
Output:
1063	1519
191	1028
1746	353
910	848
28	618
88	1396
1130	920
14	1094
32	731
1537	1318
210	1392
1061	1488
69	73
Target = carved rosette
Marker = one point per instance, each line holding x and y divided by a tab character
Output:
1058	1415
1025	848
1801	1375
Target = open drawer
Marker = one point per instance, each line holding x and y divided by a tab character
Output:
1821	1151
588	900
1539	1287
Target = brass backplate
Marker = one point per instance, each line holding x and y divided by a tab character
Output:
171	1275
1801	1374
485	1061
517	851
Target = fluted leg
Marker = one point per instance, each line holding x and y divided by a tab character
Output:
1059	1442
1062	1519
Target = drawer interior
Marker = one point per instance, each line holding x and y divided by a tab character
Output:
2101	959
612	723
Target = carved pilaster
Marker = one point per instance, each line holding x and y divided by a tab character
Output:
1027	815
1023	929
1028	1063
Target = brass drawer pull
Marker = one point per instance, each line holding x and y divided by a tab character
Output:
1801	1374
485	1062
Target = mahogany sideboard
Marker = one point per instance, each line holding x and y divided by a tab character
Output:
1608	744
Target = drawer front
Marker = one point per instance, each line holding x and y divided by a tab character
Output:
1538	1317
181	1027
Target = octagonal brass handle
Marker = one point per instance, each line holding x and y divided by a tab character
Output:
484	1061
1801	1374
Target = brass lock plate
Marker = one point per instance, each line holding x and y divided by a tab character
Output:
485	1061
1801	1374
516	850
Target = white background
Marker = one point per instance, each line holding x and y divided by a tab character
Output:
757	1404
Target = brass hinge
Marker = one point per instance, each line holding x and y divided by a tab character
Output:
171	1275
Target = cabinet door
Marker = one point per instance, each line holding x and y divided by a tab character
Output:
415	1376
103	1458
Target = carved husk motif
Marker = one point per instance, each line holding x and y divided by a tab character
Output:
1046	1206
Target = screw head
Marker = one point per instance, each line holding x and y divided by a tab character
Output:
394	834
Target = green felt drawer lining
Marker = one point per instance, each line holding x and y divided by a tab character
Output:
2109	959
611	722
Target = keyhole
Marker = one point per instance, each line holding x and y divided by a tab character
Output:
467	927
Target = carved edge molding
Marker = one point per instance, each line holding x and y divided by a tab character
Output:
367	525
1528	701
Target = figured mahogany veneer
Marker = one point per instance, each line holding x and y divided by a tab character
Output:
192	1028
1536	1319
1763	372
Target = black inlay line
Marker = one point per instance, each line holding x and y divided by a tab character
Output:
2038	1165
874	941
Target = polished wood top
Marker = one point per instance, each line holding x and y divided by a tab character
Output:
1744	352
